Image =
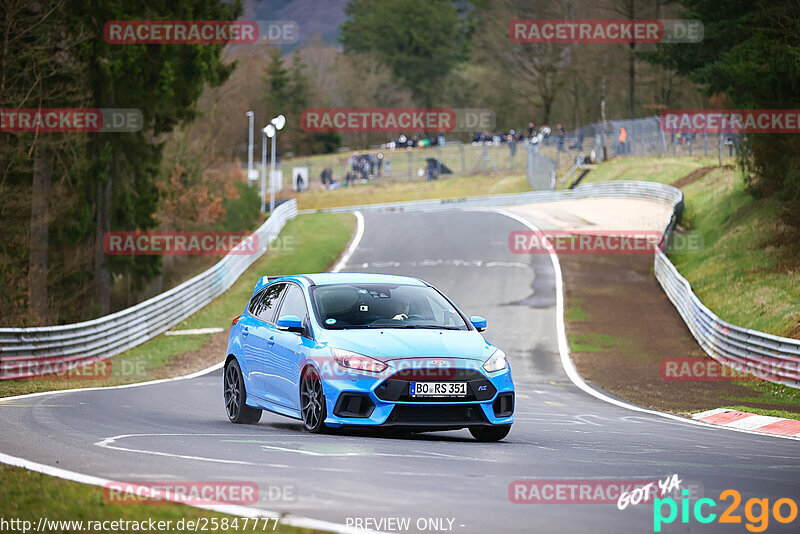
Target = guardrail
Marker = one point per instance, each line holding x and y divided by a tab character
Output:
772	358
26	352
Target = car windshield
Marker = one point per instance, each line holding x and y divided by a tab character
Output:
344	306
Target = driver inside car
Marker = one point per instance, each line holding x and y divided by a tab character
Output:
403	307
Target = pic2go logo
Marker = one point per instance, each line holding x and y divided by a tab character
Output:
757	521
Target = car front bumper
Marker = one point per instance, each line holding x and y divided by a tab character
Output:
363	399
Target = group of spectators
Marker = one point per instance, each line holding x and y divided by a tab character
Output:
361	167
365	166
536	135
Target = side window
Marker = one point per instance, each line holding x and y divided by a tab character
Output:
252	307
263	306
294	303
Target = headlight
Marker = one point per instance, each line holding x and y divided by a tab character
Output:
496	362
353	360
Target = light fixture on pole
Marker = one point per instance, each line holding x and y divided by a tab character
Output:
274	125
249	115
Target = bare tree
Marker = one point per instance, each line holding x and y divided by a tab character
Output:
540	70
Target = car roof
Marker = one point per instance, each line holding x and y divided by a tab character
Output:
323	279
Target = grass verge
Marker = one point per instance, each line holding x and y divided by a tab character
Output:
378	192
316	242
665	169
748	269
29	496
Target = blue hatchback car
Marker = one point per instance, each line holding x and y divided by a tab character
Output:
365	350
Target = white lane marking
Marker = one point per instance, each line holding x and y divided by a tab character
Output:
194	331
124	386
230	509
569	365
111	443
353	245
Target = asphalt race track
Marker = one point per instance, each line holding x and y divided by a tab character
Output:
178	431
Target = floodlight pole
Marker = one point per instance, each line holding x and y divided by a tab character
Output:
263	188
272	176
250	147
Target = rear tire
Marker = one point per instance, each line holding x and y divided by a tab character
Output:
235	396
489	433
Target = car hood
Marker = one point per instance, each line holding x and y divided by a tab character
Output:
396	343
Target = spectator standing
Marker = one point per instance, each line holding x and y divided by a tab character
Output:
431	169
623	139
512	143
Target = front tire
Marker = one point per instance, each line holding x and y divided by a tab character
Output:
489	433
312	401
235	396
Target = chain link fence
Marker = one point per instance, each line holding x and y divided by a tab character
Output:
636	137
536	158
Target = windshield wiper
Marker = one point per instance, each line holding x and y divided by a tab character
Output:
433	327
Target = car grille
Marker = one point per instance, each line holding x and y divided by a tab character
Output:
436	415
396	387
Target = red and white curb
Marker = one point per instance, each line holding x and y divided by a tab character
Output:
749	421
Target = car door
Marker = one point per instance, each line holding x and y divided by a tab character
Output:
257	339
290	347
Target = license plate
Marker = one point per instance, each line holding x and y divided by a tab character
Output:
438	389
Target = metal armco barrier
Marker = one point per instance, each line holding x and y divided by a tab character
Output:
772	358
26	352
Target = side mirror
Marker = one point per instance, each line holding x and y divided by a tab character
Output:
290	323
478	322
